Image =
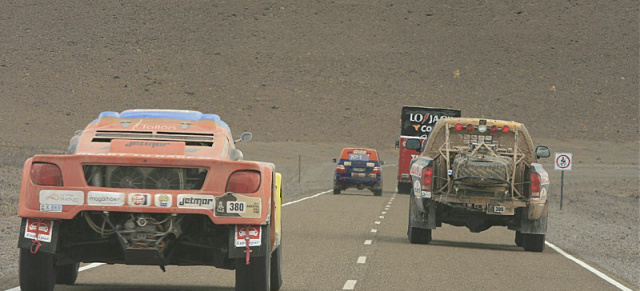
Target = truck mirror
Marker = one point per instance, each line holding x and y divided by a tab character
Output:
397	144
381	163
542	152
334	161
245	137
414	144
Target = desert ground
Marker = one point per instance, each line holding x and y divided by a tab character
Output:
310	77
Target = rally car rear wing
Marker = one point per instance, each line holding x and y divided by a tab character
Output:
232	192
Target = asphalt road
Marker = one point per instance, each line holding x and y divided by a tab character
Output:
356	241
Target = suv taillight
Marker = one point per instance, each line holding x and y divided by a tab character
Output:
243	182
341	169
376	170
427	177
534	185
45	174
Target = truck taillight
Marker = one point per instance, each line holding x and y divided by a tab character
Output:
534	185
243	182
46	174
341	169
427	177
376	170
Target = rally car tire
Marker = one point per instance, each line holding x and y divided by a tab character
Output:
257	275
276	269
67	274
336	191
404	188
518	238
533	242
377	192
417	235
36	271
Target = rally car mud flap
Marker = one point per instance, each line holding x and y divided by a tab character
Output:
47	233
239	251
426	220
538	226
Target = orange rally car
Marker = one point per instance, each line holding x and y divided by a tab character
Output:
150	187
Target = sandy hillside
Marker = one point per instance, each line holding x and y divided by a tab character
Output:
308	77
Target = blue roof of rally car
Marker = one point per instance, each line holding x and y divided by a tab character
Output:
165	113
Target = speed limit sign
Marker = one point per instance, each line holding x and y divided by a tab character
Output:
563	161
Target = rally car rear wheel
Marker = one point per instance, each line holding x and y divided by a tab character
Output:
533	242
36	271
336	191
257	275
68	274
276	269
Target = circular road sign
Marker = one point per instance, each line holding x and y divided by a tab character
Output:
563	161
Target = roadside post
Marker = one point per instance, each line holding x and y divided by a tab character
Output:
563	163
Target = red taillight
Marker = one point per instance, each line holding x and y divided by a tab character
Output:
244	182
494	129
341	169
458	126
45	174
505	129
469	127
376	170
534	185
427	176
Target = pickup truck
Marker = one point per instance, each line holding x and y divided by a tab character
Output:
479	173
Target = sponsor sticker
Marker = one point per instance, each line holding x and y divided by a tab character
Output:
139	199
416	170
44	231
195	201
255	236
51	207
426	194
163	200
235	205
61	197
101	198
416	187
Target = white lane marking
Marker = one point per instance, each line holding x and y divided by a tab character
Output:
381	217
362	259
586	266
377	222
374	230
368	242
349	285
305	198
384	212
83	268
90	266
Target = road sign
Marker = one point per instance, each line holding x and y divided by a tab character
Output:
563	161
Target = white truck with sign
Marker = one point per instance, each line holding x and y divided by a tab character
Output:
479	173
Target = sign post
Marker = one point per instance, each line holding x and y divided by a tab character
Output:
563	163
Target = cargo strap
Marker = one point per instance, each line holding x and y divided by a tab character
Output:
35	243
247	248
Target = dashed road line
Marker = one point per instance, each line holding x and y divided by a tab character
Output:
368	242
374	230
381	217
350	285
377	222
362	259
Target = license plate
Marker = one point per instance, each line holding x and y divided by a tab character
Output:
357	175
358	169
498	209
